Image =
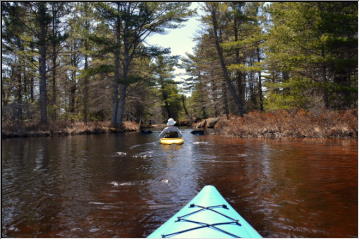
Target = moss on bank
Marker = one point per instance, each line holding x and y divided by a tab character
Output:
281	123
63	128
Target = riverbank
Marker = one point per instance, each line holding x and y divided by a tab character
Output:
281	123
64	128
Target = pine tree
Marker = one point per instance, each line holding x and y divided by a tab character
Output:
311	47
131	23
57	36
216	10
43	19
162	69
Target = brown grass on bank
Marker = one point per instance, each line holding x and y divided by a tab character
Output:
24	129
283	123
130	126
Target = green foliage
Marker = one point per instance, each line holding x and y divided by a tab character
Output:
252	41
162	69
245	68
197	103
153	51
317	41
306	54
292	94
173	101
96	69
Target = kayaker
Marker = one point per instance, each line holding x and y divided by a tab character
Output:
170	131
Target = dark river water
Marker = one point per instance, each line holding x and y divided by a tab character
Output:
128	185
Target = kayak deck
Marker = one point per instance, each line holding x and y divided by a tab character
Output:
207	215
171	140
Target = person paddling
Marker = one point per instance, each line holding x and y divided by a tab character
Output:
170	131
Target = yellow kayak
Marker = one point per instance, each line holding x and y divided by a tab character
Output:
171	140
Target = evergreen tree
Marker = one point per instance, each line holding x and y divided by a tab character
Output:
57	36
162	68
216	12
313	48
131	23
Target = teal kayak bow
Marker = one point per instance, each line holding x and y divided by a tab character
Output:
207	215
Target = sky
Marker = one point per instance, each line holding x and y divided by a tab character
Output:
180	40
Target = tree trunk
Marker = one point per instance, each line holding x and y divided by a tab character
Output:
240	84
115	103
53	100
19	73
86	66
202	101
239	103
121	104
19	93
72	98
203	111
261	99
123	86
72	92
116	84
226	104
325	88
325	82
42	62
32	89
214	94
253	92
54	57
26	84
185	108
238	74
73	85
86	88
32	77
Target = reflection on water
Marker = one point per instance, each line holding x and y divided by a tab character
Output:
127	185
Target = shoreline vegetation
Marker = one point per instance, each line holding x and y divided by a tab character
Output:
88	67
284	124
276	124
64	128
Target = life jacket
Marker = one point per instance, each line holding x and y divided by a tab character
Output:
171	135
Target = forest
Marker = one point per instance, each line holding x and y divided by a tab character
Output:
86	62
